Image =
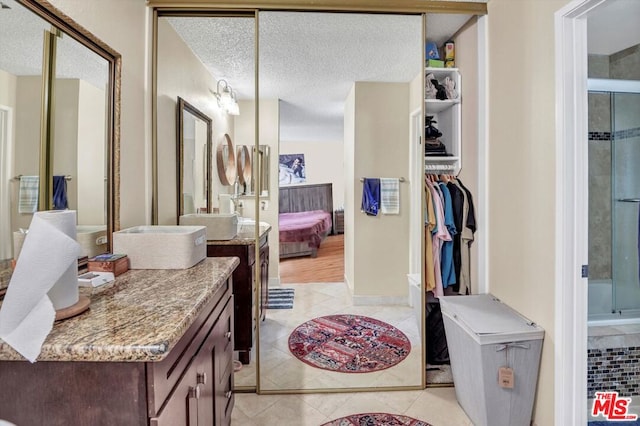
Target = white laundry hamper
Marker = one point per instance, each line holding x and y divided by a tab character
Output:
488	341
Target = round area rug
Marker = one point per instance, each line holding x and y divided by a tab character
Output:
376	419
349	344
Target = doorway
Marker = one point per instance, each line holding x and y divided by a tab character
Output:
573	24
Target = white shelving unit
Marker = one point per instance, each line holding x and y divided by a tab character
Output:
447	114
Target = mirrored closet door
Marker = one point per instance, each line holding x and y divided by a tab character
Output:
342	87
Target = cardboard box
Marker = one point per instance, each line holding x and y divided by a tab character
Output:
115	263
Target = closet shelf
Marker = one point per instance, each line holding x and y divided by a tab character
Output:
436	105
438	72
438	159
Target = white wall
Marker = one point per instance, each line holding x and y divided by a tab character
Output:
322	159
351	208
180	73
27	139
121	24
466	42
381	148
522	170
244	127
91	149
65	146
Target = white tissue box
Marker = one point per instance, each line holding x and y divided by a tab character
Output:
95	279
162	247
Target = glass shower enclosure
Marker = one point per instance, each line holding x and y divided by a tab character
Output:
614	199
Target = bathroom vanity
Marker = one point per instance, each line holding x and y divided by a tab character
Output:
245	290
154	348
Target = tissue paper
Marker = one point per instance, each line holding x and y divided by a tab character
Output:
45	279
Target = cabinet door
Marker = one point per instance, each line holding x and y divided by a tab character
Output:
203	364
182	408
221	357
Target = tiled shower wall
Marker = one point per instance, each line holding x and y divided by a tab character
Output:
621	65
614	369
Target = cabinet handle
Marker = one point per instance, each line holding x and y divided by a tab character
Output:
228	335
194	392
201	378
228	394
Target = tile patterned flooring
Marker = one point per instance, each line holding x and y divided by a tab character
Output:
437	406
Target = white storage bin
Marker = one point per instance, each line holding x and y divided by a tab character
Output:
161	247
484	335
92	239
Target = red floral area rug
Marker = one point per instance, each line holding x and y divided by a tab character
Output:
349	344
376	419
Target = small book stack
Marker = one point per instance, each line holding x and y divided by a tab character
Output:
115	263
83	264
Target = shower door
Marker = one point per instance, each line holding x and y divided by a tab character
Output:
625	185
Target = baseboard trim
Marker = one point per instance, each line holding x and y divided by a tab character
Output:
380	300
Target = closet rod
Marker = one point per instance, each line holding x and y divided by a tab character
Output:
401	179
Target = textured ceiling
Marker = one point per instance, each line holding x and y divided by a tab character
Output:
310	60
21	44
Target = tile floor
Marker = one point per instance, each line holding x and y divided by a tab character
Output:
437	406
281	370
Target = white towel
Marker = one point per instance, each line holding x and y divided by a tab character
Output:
28	194
389	196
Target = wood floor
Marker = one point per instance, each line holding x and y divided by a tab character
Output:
328	267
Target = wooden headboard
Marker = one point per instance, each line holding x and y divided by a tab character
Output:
304	198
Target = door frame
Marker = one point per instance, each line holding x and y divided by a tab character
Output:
6	155
571	221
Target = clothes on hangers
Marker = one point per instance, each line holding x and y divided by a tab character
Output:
450	220
429	226
446	257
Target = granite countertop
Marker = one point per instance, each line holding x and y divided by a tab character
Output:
246	236
138	317
5	275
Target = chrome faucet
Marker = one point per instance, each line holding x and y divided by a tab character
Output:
235	198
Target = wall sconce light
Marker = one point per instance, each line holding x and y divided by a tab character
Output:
226	98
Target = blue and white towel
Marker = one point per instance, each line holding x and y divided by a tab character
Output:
28	194
390	196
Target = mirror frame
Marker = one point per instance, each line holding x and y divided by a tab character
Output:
226	169
181	107
244	167
55	17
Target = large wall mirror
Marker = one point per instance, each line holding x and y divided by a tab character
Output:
194	159
59	124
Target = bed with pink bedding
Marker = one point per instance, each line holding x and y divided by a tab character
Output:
305	218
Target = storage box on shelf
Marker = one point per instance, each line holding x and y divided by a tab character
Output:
446	114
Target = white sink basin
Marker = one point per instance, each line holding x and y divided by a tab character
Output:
161	247
247	224
219	226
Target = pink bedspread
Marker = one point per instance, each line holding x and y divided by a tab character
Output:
299	227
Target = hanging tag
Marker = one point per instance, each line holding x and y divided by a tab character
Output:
506	377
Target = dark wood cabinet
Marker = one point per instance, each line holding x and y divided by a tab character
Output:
190	386
245	290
